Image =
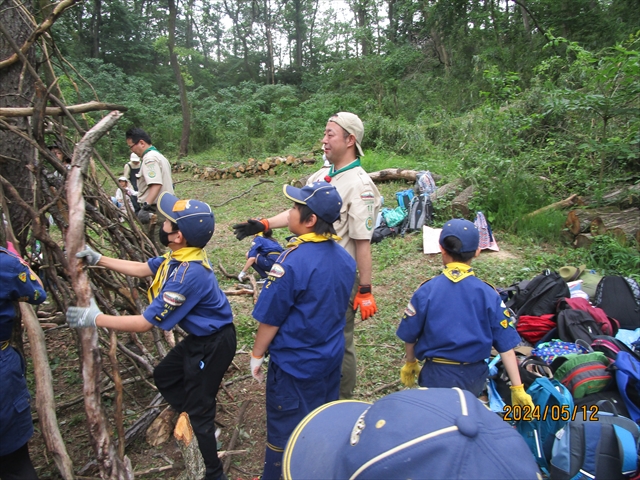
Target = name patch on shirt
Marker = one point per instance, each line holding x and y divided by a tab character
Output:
276	271
174	299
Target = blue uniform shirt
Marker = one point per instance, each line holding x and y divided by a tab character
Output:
190	297
306	296
17	283
263	246
457	321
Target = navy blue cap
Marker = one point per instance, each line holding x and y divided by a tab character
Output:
193	217
321	197
463	230
436	433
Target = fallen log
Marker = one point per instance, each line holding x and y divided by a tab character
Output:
625	223
567	202
448	189
394	174
579	220
583	240
625	197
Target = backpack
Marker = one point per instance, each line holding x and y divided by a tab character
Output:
549	351
609	326
619	297
583	374
382	232
420	212
577	325
425	184
603	445
538	296
627	371
532	328
611	346
549	396
404	198
394	217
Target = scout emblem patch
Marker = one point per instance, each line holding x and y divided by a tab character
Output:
410	311
173	299
276	271
23	277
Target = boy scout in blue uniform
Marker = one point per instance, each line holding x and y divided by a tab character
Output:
454	319
185	292
263	253
301	311
18	283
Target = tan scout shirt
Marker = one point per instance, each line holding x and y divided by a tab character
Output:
360	205
155	169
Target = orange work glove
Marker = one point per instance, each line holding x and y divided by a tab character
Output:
364	299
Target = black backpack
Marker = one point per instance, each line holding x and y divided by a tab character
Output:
577	325
619	297
538	296
382	232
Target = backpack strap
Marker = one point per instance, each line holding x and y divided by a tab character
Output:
592	433
627	449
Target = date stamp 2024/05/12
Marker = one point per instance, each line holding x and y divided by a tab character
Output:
554	413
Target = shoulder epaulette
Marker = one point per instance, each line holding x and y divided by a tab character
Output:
496	290
284	254
427	280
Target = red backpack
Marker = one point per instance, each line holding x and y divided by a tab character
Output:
608	325
532	328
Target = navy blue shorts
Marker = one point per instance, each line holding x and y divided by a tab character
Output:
471	377
290	399
263	264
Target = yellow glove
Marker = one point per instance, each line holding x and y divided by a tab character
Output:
520	397
409	372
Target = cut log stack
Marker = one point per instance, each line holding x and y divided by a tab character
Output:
252	167
585	224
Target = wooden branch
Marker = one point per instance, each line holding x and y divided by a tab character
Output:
111	466
45	403
244	291
56	111
224	271
567	202
243	193
254	285
236	431
41	29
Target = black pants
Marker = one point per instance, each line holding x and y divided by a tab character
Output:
189	378
17	465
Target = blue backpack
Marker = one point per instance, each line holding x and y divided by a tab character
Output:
596	444
628	378
404	198
550	396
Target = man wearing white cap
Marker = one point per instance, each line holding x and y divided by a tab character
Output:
361	203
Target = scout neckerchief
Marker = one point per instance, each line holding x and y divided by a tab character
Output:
457	271
148	150
186	254
333	173
312	237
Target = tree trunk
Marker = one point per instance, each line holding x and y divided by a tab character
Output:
17	88
184	103
579	220
96	20
299	26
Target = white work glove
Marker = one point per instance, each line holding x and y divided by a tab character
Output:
90	255
256	364
80	317
242	276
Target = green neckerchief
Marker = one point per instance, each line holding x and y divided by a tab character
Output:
354	164
457	271
311	237
148	150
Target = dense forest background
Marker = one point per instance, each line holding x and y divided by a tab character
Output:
542	93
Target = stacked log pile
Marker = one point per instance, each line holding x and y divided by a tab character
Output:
251	168
585	224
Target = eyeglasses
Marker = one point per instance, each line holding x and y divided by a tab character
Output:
131	146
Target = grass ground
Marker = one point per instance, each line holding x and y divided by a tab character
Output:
399	268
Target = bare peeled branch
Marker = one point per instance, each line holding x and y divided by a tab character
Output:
111	466
56	111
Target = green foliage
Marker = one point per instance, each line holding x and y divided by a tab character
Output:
612	258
